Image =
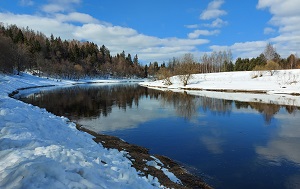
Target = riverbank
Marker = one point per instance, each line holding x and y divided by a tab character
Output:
39	149
282	88
140	158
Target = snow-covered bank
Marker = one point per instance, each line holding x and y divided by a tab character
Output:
282	88
41	150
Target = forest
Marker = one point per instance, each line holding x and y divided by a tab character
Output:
24	49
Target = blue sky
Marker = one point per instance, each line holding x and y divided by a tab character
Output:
158	30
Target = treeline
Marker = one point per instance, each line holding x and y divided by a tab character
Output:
221	61
22	48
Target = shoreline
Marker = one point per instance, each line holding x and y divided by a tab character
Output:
138	155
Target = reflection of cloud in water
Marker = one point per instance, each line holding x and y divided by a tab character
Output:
131	118
212	144
285	144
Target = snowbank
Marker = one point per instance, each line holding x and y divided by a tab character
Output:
41	150
282	88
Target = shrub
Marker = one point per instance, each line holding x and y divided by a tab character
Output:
272	66
165	75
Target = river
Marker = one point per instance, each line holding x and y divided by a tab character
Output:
230	144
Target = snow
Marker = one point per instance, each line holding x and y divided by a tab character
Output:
41	150
156	163
242	86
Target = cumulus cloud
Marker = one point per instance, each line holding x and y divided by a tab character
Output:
195	34
280	8
55	6
217	23
213	10
76	17
39	23
285	16
118	38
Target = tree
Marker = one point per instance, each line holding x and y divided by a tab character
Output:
7	55
165	75
270	52
146	71
22	58
186	69
291	61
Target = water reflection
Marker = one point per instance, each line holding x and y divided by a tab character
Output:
284	144
96	101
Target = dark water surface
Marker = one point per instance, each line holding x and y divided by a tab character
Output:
230	144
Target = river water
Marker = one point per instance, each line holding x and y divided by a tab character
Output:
230	144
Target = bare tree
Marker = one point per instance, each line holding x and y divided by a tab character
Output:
292	61
270	52
186	68
165	74
205	63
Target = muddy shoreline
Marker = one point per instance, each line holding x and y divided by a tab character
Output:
138	156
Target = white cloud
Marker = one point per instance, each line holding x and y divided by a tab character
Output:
60	5
38	23
52	8
195	34
285	16
280	8
76	17
269	30
26	2
248	49
192	26
213	10
148	48
217	23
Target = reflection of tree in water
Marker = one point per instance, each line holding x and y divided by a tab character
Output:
184	104
187	105
89	101
268	110
216	106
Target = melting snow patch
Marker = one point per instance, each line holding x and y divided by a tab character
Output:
160	166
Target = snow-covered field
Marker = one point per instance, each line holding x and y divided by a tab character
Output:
282	88
41	150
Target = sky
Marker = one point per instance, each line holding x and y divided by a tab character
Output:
159	30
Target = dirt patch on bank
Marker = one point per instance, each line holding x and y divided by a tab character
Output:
139	156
